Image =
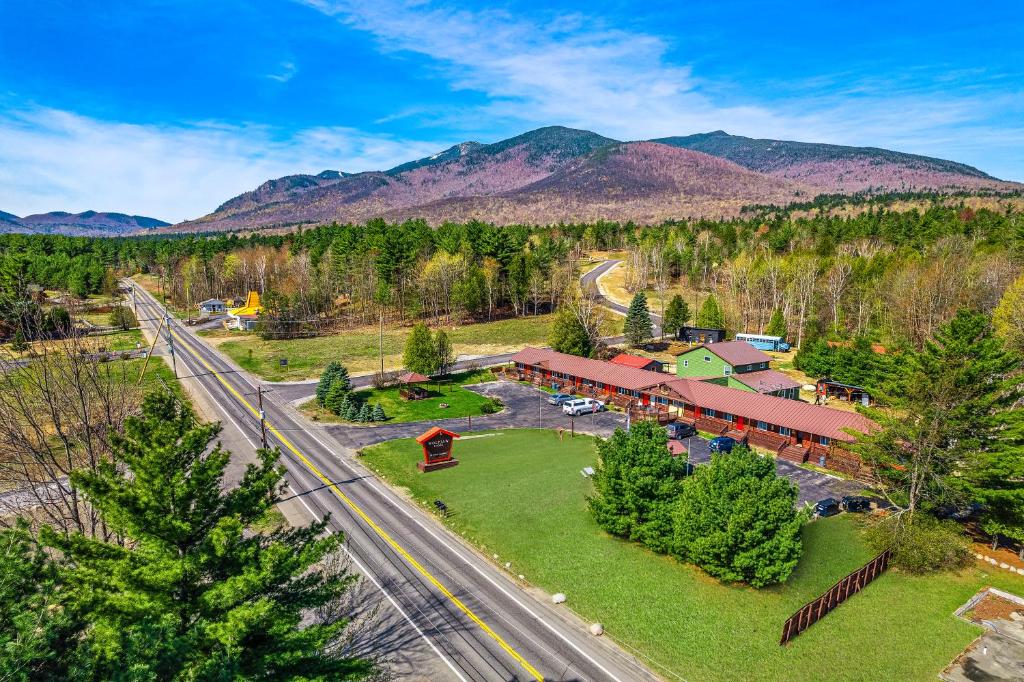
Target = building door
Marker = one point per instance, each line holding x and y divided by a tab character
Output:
799	438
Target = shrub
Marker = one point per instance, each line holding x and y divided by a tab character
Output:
737	520
123	318
492	406
922	544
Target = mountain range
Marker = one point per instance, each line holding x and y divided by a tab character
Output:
85	224
561	174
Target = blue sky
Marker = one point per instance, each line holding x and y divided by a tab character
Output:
168	108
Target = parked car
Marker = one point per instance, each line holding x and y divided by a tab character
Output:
580	406
680	430
559	399
827	507
722	444
856	503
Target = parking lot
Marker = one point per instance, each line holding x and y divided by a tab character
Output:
527	407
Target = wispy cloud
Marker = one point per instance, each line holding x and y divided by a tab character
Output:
580	71
57	160
286	71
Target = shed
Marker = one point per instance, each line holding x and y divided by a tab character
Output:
637	361
826	388
212	306
701	334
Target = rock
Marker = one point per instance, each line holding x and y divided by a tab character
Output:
558	598
980	557
496	557
1003	564
508	564
522	577
597	629
990	560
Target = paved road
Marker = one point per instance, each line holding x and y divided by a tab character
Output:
589	282
476	621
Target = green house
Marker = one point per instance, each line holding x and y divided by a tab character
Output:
738	365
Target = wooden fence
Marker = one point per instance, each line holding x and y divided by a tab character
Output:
814	611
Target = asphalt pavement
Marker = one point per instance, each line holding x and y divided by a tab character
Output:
447	613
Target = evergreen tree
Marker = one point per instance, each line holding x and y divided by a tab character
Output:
327	377
736	519
194	593
676	316
636	484
351	412
637	326
337	399
365	413
420	352
444	354
777	325
710	314
953	428
568	335
39	635
123	318
378	413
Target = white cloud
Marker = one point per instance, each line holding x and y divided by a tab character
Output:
286	72
576	70
57	160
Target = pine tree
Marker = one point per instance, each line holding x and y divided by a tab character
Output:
637	326
676	316
351	412
420	353
334	373
337	399
195	593
777	325
378	413
737	519
365	413
568	335
711	315
636	484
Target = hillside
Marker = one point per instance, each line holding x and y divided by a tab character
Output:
87	223
556	173
834	168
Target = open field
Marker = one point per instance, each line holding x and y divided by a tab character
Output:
461	402
519	494
358	348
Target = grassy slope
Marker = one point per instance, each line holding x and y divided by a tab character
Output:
358	349
461	402
520	495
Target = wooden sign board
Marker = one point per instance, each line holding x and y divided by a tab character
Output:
437	449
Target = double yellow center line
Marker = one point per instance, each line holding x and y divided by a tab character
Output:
361	514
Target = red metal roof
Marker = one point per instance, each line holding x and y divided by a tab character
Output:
627	360
412	378
765	380
585	368
794	414
734	352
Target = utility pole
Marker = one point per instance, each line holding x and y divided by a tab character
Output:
135	302
263	416
170	344
540	410
381	340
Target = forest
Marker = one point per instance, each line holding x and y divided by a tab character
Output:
891	277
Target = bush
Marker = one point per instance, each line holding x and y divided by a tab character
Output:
922	545
123	318
492	406
737	520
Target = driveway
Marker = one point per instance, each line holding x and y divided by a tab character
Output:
589	281
527	407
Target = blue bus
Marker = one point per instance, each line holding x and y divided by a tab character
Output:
764	342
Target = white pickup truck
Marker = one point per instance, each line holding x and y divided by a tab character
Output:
580	406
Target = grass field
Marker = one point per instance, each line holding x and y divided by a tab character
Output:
461	402
358	349
519	494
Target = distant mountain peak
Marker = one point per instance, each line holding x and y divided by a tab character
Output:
86	223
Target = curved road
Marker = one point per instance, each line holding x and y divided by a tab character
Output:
589	281
465	618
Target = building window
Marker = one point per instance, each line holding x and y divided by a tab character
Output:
762	426
823	440
728	370
784	430
686	363
764	365
707	358
729	417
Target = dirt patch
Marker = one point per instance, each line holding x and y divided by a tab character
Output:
1002	554
993	607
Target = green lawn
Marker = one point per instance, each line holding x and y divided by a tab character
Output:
461	402
359	349
519	494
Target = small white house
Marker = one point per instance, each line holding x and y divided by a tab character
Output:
212	306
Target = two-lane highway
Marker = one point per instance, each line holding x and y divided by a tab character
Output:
478	623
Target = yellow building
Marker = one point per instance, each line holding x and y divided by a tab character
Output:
245	318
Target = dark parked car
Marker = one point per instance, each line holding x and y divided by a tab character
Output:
722	444
856	503
827	507
680	430
558	399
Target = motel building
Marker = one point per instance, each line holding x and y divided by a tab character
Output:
792	429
